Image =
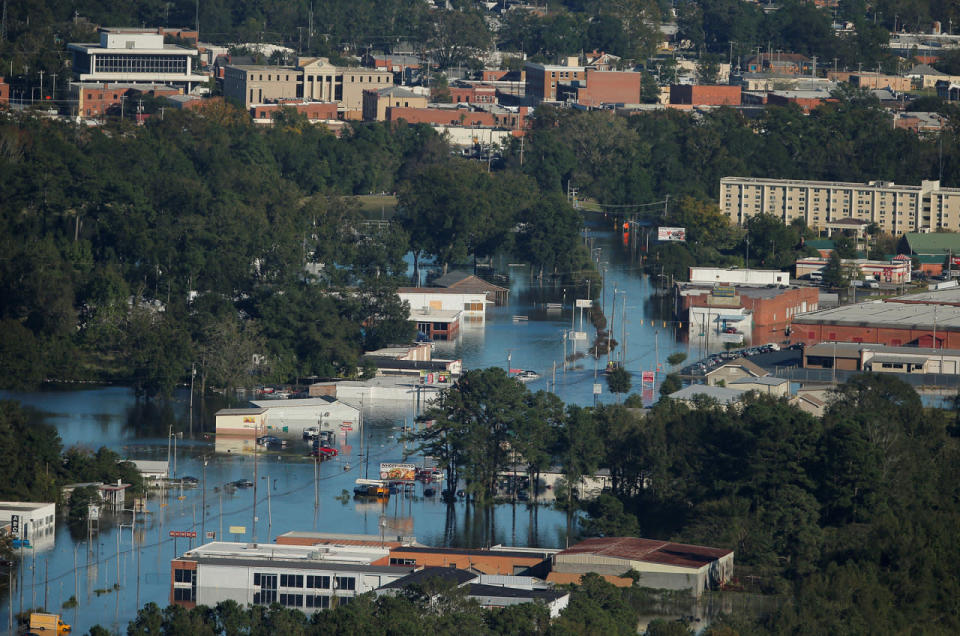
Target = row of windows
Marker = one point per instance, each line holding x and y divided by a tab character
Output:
184	594
322	582
289	600
141	64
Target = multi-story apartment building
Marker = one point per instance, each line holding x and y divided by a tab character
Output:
822	204
311	79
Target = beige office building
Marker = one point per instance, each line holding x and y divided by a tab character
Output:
312	79
828	205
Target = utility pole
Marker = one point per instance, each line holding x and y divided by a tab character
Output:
41	85
253	529
193	374
203	501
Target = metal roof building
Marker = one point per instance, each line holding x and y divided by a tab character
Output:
661	564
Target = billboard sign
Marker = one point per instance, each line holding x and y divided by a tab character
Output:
183	534
671	234
15	525
584	303
648	377
724	291
398	472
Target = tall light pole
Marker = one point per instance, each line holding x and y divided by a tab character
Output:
203	502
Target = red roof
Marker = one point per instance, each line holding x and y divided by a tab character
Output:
648	550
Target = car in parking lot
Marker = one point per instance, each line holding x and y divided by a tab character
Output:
242	483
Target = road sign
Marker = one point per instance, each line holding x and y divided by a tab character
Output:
238	529
183	534
211	535
648	376
578	335
597	389
585	303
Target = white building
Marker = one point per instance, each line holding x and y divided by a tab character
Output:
737	276
293	416
307	578
151	469
35	521
135	55
427	299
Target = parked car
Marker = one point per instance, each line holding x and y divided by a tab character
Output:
189	480
243	483
325	451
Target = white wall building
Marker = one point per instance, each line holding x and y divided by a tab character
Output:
293	416
307	578
135	55
737	276
35	521
152	469
426	299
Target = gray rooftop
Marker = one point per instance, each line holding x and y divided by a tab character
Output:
766	380
854	349
721	394
880	314
939	296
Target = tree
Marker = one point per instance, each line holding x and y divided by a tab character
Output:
458	36
708	69
835	274
671	384
676	359
618	380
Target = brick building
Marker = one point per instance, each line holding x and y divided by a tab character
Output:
611	87
4	92
779	63
806	100
460	117
473	94
97	99
893	324
705	95
542	80
770	309
497	560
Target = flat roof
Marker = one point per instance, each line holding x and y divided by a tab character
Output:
511	553
95	47
881	314
438	290
320	401
23	505
435	315
896	357
933	297
855	348
373	540
877	185
289	555
250	411
648	550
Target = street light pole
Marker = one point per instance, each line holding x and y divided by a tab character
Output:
203	502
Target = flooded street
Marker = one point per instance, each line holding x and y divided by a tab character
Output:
124	567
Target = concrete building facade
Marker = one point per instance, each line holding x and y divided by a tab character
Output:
313	79
897	209
376	101
135	55
308	578
35	521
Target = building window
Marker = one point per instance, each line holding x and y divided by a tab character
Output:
265	581
183	576
265	597
291	600
394	561
291	580
184	594
318	602
318	582
122	63
345	583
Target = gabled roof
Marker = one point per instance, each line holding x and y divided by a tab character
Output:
721	394
765	380
452	575
933	242
647	550
752	368
466	280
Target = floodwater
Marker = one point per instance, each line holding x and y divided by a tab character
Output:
120	568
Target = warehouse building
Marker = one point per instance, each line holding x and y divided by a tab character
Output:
293	416
895	324
660	564
847	356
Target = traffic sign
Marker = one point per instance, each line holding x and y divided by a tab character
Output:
183	534
597	389
584	303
